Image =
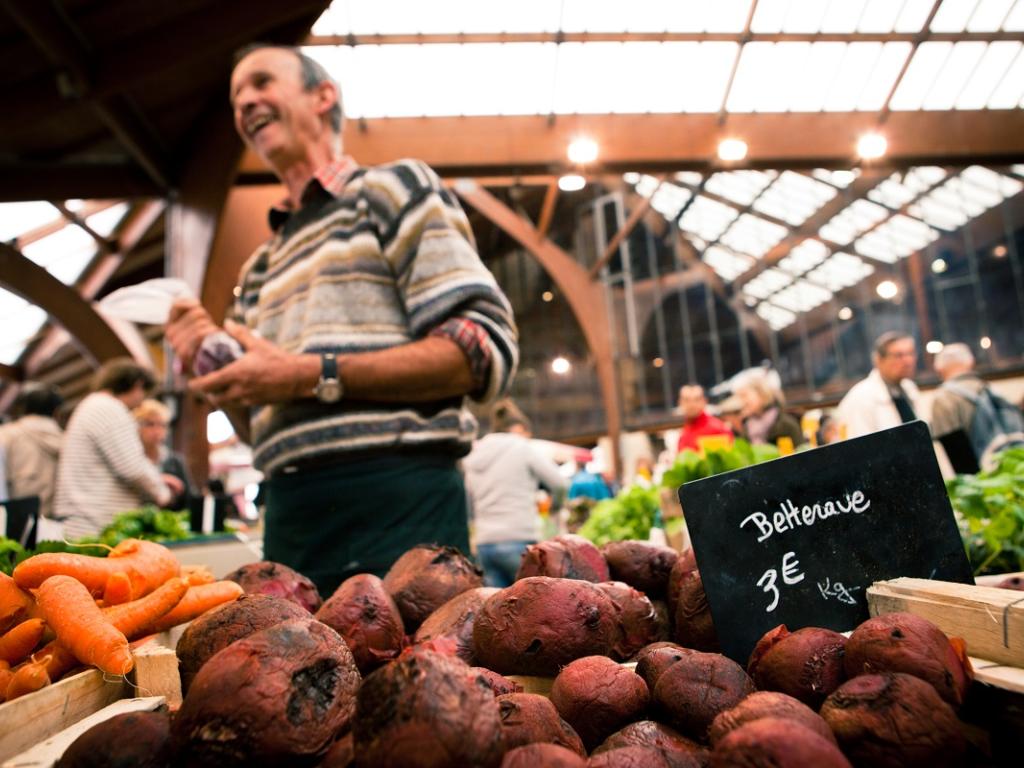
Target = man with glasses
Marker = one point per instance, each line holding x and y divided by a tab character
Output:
886	397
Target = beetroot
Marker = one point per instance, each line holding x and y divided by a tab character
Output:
499	684
806	664
128	740
547	755
640	564
772	742
641	757
277	580
648	733
425	710
279	696
539	624
363	613
596	696
218	628
685	563
692	624
697	688
903	642
426	577
528	718
638	621
450	627
894	720
564	557
768	639
655	658
767	704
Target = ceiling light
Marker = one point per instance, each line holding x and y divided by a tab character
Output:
845	313
999	251
560	366
731	150
657	362
939	266
871	146
571	182
887	289
582	150
547	296
985	342
933	347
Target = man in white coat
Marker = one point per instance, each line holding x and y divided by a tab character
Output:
886	397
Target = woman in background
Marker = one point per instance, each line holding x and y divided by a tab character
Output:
154	418
503	473
764	420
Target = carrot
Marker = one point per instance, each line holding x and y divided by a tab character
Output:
20	641
15	603
118	589
197	574
80	625
5	680
26	679
197	600
147	565
131	618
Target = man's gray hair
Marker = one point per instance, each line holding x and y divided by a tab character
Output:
883	342
313	73
953	354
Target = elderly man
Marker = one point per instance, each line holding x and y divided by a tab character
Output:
886	397
697	422
366	320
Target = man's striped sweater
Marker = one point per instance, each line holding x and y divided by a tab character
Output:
379	258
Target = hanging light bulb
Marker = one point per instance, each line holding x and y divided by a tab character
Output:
560	366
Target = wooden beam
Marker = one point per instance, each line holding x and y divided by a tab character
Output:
585	297
13	373
96	339
547	209
627	229
51	181
919	37
532	145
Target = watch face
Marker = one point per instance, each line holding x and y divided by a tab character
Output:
329	391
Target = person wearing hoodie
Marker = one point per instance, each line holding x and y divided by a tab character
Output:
503	473
31	446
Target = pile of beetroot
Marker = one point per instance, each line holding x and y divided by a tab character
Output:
413	670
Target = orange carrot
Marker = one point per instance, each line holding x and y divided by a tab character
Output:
131	618
26	679
197	600
5	680
56	658
118	589
15	603
19	642
147	565
197	574
80	625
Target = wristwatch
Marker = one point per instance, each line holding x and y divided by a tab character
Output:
329	388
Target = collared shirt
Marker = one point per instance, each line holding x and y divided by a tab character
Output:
704	425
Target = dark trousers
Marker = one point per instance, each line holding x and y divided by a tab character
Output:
360	516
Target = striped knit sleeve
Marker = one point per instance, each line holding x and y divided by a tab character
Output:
428	243
117	439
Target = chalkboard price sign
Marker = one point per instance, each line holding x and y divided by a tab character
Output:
798	540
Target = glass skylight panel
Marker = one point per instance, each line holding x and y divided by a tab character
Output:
1018	169
804	16
987	75
879	16
769	16
808	92
753	77
841	179
64	254
646	185
842	16
920	75
727	265
805	256
794	197
1007	94
20	321
892	192
954	75
937	212
952	15
913	15
713	61
776	317
767	283
895	239
601	77
989	15
722	15
857	64
855	218
105	222
615	16
741	187
669	200
883	76
1015	21
753	235
801	296
985	178
707	218
691	178
841	271
18	218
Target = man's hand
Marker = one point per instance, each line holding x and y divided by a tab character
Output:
187	326
264	374
173	482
